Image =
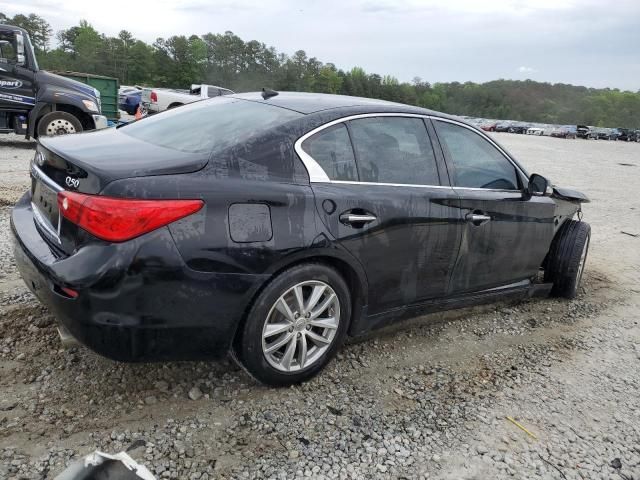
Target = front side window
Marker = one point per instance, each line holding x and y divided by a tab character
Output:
8	51
394	150
476	162
331	148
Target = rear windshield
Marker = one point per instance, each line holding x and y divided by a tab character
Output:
209	125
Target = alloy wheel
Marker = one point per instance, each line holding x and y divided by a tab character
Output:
301	326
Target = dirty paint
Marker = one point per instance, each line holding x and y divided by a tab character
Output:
181	291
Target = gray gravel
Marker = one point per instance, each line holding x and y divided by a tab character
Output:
427	399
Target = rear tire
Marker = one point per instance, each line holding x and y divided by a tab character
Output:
567	258
58	123
268	325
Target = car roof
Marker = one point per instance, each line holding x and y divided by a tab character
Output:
308	103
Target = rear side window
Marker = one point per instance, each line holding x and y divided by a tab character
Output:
209	125
331	148
476	162
394	150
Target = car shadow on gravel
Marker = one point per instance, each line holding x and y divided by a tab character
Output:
421	371
457	338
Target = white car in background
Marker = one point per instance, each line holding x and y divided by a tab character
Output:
156	100
127	89
535	131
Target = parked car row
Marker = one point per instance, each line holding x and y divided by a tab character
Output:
558	131
622	134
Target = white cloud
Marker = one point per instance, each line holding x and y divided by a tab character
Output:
438	41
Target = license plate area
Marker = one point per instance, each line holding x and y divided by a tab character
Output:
45	208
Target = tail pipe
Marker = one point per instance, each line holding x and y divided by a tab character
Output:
66	338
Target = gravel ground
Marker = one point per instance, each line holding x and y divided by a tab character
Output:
427	399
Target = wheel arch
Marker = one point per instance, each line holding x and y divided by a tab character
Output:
85	119
41	110
352	273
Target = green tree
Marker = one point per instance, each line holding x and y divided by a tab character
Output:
38	28
328	80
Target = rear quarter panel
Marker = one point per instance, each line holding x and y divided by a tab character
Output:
208	241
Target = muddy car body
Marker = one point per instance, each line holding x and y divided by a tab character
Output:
293	221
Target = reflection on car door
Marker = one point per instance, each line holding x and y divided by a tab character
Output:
506	234
385	205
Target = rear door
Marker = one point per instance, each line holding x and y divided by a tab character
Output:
377	186
506	234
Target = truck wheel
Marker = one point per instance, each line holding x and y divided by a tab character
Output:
58	123
567	258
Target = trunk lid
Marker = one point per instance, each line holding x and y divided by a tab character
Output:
97	158
86	163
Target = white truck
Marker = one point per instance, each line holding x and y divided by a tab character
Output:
155	100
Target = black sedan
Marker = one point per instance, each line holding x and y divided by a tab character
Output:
520	128
272	226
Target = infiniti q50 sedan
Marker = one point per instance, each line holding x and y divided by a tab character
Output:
273	226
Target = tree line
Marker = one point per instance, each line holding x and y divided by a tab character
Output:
226	60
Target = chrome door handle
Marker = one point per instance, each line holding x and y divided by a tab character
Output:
478	218
355	218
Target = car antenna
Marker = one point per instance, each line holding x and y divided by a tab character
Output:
268	93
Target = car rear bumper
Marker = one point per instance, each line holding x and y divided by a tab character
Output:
137	301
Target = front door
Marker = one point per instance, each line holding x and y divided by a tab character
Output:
16	82
383	202
506	234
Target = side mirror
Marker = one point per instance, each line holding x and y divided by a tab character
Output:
20	56
538	185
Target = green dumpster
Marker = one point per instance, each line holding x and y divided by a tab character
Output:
107	86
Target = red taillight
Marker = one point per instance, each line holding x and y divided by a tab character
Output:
70	292
154	96
120	219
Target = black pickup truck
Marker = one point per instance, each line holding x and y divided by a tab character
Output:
35	102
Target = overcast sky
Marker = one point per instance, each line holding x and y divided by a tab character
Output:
582	42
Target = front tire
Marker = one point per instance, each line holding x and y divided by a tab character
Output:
567	258
295	326
58	123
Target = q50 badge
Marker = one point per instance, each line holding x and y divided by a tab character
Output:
72	182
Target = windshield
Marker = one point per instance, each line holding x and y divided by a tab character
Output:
209	125
28	47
